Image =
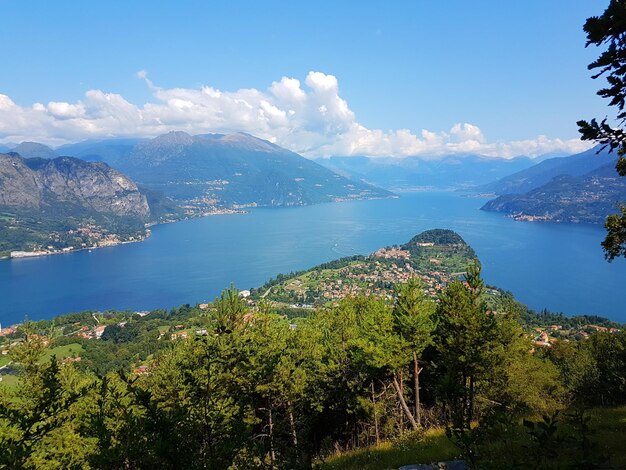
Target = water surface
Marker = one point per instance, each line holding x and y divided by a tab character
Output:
556	266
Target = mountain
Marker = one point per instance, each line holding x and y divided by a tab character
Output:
435	256
589	198
231	170
67	184
452	171
543	172
34	150
57	203
110	151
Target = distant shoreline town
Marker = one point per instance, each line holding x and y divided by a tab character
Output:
112	240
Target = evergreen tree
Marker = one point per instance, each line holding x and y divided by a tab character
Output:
413	316
464	337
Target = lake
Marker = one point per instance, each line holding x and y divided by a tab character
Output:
557	266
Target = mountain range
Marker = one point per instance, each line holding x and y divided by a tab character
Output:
447	172
224	170
183	175
587	198
543	172
110	188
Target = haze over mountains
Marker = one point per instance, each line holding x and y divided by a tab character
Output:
34	150
452	171
577	188
207	154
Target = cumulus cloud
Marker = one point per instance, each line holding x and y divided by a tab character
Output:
311	119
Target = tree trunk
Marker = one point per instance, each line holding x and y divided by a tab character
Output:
470	413
463	417
375	415
405	408
271	426
416	376
292	425
401	382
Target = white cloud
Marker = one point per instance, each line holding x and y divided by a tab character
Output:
313	120
6	103
65	110
467	132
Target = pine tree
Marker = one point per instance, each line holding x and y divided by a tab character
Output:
413	317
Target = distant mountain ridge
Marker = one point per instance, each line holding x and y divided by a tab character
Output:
103	150
447	172
226	170
587	198
541	173
34	150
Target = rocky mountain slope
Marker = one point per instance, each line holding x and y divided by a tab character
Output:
57	203
66	183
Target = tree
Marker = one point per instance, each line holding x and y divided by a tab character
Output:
29	424
465	338
606	354
413	313
610	30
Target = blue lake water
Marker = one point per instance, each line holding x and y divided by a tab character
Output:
559	267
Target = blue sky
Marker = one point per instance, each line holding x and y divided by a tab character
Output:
513	70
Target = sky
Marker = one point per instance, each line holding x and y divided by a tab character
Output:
392	78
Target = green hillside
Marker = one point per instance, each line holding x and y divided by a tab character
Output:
589	198
435	256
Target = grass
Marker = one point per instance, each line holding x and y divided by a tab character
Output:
433	446
608	431
9	381
61	352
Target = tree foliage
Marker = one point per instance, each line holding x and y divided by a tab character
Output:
252	389
609	30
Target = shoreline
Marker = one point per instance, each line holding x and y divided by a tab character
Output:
65	251
39	254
